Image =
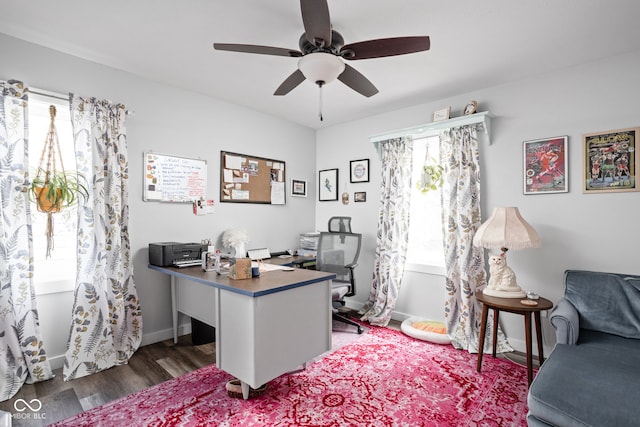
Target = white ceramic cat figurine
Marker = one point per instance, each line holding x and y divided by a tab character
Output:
502	277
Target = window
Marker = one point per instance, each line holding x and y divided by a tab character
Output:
57	273
425	253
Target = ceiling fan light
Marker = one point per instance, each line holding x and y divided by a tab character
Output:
321	67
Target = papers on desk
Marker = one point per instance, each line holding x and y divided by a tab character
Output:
263	266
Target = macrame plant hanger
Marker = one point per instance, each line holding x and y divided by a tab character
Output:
48	200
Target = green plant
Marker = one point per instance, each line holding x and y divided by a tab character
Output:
431	178
54	190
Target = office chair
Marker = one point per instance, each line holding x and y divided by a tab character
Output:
340	224
338	253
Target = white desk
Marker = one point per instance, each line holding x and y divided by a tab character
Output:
265	326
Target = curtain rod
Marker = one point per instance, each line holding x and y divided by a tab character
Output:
61	97
49	95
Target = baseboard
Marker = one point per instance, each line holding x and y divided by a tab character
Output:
57	361
165	334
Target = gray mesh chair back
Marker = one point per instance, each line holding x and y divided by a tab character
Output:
338	253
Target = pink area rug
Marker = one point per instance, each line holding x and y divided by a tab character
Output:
383	378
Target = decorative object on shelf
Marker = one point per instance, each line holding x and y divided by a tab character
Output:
431	178
471	108
441	114
53	188
506	229
610	161
546	165
359	170
237	239
298	188
360	196
328	185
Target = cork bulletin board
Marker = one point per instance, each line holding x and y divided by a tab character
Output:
251	179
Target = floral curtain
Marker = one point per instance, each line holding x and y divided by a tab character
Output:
393	230
107	323
22	355
464	262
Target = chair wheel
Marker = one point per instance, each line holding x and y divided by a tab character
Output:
360	330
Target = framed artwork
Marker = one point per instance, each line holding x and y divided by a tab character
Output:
359	170
298	188
610	161
360	196
328	185
441	114
546	165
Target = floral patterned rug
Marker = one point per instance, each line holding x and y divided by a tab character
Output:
383	378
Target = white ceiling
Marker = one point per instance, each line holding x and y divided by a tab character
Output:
474	45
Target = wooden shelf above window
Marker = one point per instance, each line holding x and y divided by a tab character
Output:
483	118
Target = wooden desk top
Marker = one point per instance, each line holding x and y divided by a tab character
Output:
513	304
268	282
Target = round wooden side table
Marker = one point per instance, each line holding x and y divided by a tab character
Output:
512	305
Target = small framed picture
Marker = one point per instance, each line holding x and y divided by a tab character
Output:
360	196
546	165
359	170
298	188
471	108
328	185
441	114
610	161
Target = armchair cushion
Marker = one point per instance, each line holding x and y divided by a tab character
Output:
607	302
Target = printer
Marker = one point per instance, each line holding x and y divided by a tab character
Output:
168	254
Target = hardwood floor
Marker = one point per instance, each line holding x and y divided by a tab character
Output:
150	365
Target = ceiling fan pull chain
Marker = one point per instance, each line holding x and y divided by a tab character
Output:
320	103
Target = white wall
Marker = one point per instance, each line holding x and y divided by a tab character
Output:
579	231
172	121
596	231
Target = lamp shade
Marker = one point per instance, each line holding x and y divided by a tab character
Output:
506	229
321	67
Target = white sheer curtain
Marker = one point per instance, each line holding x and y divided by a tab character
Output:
393	230
107	323
22	355
464	262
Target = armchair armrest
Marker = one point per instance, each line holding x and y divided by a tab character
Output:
566	321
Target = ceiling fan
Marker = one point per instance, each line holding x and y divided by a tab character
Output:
322	51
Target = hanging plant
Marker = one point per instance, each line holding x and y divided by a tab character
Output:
53	188
431	178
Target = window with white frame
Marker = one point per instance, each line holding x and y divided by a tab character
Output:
425	252
57	273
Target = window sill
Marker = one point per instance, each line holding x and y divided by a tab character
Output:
425	269
54	286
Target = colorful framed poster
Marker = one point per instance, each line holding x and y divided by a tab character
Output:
610	161
359	170
546	165
328	185
298	188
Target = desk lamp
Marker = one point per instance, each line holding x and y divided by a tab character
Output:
506	229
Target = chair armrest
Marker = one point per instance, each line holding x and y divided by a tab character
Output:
566	321
351	266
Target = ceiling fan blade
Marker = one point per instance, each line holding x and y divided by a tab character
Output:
356	81
263	50
385	47
290	83
316	20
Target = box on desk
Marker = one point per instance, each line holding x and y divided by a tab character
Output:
240	268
